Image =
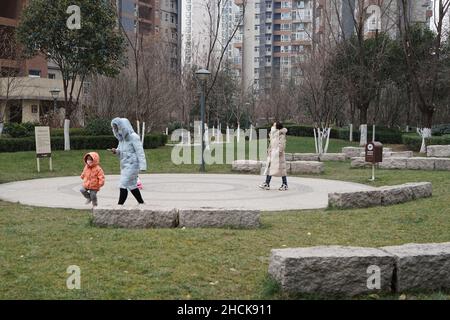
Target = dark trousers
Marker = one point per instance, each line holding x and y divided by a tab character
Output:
283	178
90	195
124	194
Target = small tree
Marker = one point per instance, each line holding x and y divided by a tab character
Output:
96	48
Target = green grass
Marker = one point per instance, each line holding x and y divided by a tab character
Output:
38	244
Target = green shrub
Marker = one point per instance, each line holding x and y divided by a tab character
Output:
384	135
414	142
19	130
59	132
151	141
98	127
441	129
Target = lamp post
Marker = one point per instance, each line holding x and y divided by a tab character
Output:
55	93
202	75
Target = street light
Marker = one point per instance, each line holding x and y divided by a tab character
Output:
202	75
55	93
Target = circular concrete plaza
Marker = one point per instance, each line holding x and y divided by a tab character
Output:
184	191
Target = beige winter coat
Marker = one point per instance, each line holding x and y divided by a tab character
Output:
275	155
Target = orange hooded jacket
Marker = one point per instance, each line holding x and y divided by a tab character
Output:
93	175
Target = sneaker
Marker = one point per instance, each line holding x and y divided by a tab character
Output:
283	187
88	201
264	186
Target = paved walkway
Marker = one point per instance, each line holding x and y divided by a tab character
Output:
183	191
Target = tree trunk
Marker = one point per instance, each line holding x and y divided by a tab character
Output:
66	135
363	124
427	117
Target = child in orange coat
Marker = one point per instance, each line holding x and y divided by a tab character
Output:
93	177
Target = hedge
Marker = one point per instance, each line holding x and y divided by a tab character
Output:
59	132
384	135
151	141
415	142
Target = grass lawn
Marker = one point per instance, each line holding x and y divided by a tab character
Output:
38	244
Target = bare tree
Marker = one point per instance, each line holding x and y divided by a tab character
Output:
158	91
11	61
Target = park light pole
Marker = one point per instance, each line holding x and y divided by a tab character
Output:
55	93
202	75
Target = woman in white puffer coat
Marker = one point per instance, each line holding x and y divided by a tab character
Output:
132	158
276	160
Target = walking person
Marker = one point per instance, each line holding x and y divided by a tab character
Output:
276	160
132	158
93	177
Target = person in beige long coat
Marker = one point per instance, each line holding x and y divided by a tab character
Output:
276	160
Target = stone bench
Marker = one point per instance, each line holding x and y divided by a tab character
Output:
305	167
292	167
315	157
247	166
349	271
421	266
438	151
329	270
147	217
415	163
392	154
382	196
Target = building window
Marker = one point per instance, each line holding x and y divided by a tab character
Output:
167	17
34	73
34	109
286	16
52	76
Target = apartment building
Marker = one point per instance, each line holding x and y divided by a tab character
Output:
274	37
150	19
200	27
23	96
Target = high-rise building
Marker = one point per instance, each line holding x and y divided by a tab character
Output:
150	19
274	38
276	35
199	28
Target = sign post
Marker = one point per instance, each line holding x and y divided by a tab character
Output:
43	146
374	154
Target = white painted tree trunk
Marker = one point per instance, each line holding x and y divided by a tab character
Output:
322	139
138	125
206	137
143	133
167	131
373	133
66	135
424	133
351	132
363	138
1	128
238	133
228	134
327	139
